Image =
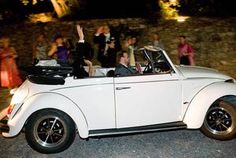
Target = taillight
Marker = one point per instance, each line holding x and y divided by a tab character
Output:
10	108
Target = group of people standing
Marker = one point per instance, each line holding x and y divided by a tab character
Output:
63	49
110	53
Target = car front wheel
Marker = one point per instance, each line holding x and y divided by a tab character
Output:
50	131
220	121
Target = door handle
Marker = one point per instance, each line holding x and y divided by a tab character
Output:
121	88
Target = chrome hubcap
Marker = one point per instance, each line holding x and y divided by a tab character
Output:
219	121
49	132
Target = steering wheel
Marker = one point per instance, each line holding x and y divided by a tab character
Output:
158	57
161	67
148	68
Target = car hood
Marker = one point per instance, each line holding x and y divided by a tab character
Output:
201	72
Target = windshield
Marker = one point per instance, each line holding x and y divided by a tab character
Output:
154	60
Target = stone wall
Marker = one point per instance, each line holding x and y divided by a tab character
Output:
213	39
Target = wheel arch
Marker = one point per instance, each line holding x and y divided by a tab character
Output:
43	101
199	105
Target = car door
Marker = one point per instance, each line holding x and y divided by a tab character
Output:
147	100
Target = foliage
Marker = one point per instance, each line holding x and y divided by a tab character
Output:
169	8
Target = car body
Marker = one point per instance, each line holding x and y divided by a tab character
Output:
164	97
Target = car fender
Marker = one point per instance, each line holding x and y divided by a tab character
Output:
197	109
47	100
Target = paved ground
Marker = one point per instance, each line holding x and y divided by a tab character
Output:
168	144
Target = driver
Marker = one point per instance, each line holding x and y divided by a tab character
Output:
123	68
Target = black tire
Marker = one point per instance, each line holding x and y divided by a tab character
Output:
220	121
50	131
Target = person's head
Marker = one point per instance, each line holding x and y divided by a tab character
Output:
182	39
129	40
64	34
133	40
41	38
123	57
156	37
5	42
59	39
106	29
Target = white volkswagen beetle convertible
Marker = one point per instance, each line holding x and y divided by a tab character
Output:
53	105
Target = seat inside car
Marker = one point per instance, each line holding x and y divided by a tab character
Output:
110	73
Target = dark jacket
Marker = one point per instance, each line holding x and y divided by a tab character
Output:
101	41
122	70
78	60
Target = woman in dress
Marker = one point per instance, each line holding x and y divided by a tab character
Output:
9	72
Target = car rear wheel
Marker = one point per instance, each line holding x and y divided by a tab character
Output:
50	131
220	121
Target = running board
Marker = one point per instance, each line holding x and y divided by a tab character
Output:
140	129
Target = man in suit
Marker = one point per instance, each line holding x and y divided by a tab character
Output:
102	37
123	68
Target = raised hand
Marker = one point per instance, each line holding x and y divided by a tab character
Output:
138	68
80	32
100	30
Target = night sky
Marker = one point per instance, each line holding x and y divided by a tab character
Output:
123	8
117	8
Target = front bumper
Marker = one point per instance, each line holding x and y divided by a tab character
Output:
9	132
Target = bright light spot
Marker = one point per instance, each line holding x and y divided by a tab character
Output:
182	18
42	17
34	2
169	8
60	7
25	2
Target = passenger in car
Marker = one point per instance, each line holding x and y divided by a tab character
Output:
80	56
123	68
59	51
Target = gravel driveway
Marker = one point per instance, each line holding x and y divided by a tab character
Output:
168	144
